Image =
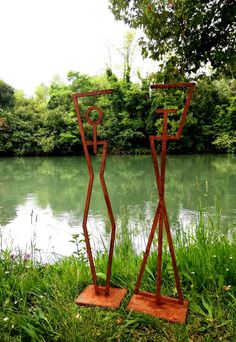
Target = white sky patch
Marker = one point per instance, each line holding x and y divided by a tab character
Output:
41	38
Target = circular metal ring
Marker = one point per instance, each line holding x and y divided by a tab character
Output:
100	115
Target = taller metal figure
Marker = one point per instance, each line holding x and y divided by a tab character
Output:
94	294
155	304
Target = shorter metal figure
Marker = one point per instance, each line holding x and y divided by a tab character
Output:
171	309
94	294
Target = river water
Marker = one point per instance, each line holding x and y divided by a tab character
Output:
42	199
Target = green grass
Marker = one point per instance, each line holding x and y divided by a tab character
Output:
37	301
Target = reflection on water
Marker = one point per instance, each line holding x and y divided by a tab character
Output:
42	199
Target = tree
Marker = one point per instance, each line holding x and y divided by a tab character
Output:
6	95
185	33
59	95
124	121
41	93
127	51
79	82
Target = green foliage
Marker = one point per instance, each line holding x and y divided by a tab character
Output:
127	52
59	96
226	116
6	96
24	120
47	124
37	126
124	124
184	33
214	110
41	93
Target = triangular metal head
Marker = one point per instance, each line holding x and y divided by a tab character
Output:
190	86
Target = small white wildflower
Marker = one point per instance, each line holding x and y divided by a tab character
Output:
7	272
6	319
15	302
227	287
193	272
214	256
227	269
231	257
79	316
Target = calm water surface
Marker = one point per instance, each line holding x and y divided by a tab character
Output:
42	199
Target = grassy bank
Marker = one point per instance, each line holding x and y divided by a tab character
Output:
37	301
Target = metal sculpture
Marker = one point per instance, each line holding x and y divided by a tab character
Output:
171	309
97	295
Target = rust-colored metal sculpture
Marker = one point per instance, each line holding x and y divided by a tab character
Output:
97	295
171	309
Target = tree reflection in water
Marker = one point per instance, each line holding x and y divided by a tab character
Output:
54	190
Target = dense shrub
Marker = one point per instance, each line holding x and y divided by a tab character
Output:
46	124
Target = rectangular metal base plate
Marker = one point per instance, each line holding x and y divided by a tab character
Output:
169	308
89	297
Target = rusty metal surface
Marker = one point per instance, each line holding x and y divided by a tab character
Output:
168	309
161	217
190	87
89	297
99	291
